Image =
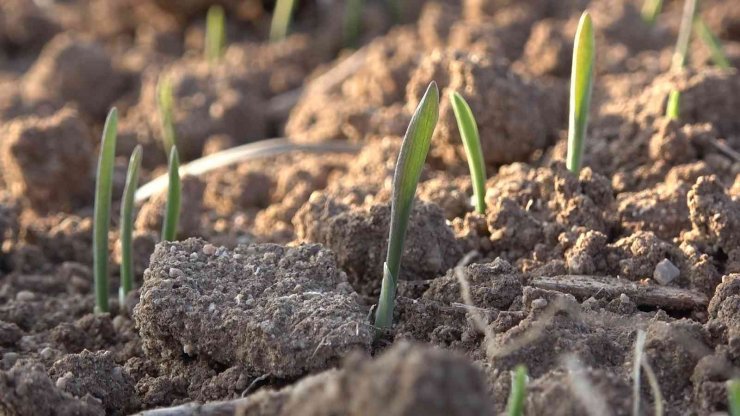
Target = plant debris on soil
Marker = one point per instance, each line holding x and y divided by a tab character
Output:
264	302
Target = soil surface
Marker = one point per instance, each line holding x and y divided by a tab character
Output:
263	305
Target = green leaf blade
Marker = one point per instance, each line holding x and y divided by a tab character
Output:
102	209
411	159
680	54
733	396
471	142
172	208
673	108
281	20
515	405
713	43
165	108
650	10
215	43
581	86
127	224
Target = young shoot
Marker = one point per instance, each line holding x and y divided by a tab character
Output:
471	142
410	162
172	208
165	108
215	42
650	10
101	220
680	55
733	396
281	20
673	108
714	45
127	225
515	405
581	84
353	22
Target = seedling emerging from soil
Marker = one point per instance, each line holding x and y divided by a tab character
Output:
127	225
172	209
353	22
473	151
714	45
673	108
411	159
650	10
515	405
165	107
281	19
680	55
101	221
581	84
733	396
215	44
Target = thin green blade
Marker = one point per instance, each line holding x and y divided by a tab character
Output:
165	107
473	150
353	22
581	85
411	159
127	224
713	43
515	405
172	209
281	20
733	396
215	34
650	10
673	108
101	215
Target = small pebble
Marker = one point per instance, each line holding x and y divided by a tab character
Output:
25	296
624	298
665	272
539	303
48	353
9	358
64	380
175	272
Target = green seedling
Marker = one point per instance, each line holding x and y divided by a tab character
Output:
680	55
281	20
127	225
471	142
673	108
215	44
515	405
172	209
165	108
713	43
650	10
411	159
353	22
101	221
581	84
733	396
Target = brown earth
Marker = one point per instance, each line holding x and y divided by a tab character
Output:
264	306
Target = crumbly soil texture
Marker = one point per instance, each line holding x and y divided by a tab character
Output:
264	304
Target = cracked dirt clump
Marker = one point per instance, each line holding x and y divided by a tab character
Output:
40	155
435	382
359	237
96	374
278	310
714	215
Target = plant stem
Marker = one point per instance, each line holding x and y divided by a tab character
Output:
515	405
680	55
353	22
215	43
127	225
172	210
471	142
650	10
733	396
673	108
411	160
101	221
581	84
281	19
